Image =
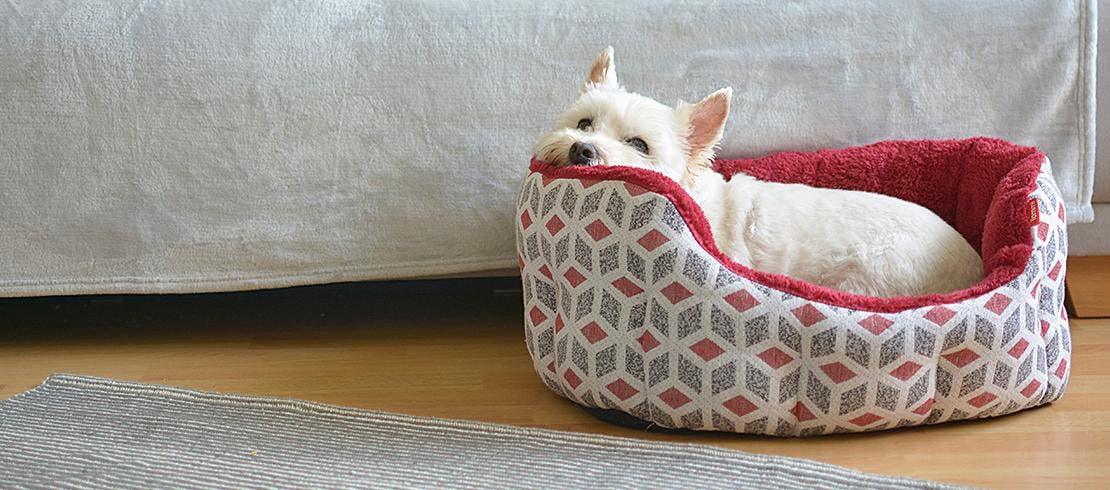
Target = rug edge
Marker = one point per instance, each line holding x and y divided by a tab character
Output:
827	470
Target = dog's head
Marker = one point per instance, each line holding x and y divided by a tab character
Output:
611	126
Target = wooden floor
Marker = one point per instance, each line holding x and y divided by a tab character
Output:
1089	286
419	349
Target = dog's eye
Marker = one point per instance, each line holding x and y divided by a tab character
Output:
585	124
638	144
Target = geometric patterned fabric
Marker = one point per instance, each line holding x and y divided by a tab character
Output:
625	310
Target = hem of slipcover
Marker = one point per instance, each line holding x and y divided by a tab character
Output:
1083	212
247	282
814	468
1093	238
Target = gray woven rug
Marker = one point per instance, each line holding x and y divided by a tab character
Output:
84	432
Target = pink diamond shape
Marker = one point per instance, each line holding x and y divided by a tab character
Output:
674	398
1044	327
676	292
802	413
652	240
597	230
593	332
1062	369
622	389
1060	213
574	277
775	357
998	303
1033	291
1042	231
981	400
545	271
558	323
838	372
587	183
647	341
634	190
739	405
572	379
1055	272
1031	388
742	300
1018	349
554	225
876	324
924	408
961	358
865	419
808	314
906	370
537	316
706	349
525	219
627	287
546	179
551	366
940	315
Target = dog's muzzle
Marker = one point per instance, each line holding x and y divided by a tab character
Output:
582	153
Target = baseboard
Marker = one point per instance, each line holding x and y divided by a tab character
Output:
1088	286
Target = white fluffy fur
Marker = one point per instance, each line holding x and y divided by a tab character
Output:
859	242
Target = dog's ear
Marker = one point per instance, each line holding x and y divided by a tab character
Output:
706	123
603	72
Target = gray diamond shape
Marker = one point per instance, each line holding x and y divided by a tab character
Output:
695	268
689	321
973	381
722	324
789	335
606	361
660	319
591	204
788	387
724	377
823	344
610	309
570	199
636	265
817	393
886	397
607	258
634	363
641	214
689	374
955	336
615	209
757	382
663	265
924	341
853	399
659	369
857	350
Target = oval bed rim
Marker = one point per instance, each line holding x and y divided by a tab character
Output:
1006	262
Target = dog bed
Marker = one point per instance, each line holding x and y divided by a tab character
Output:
630	306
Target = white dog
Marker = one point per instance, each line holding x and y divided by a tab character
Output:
860	242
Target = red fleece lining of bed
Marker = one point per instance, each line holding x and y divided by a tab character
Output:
980	186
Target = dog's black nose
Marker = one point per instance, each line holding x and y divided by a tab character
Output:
582	153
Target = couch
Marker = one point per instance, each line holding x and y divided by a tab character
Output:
178	147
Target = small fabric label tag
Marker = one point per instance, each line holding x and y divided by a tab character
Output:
1034	211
